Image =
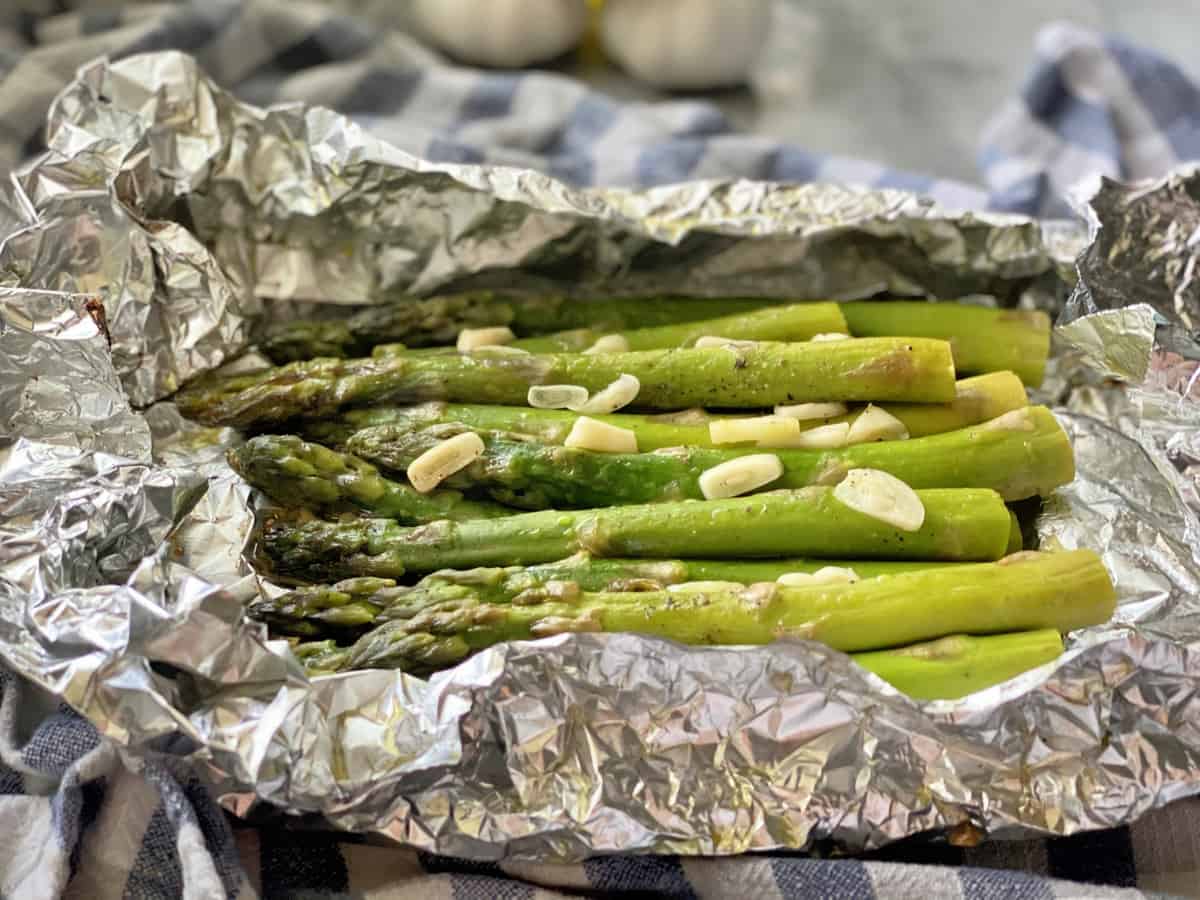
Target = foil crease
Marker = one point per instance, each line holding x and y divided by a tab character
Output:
168	220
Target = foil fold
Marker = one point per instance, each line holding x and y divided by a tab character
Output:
168	221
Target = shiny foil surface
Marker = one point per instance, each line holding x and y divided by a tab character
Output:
168	220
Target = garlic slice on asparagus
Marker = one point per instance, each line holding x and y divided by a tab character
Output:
740	476
600	437
883	497
438	463
824	575
616	396
765	431
557	396
805	412
477	338
876	424
609	343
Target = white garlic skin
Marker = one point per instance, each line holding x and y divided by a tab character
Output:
503	33
686	44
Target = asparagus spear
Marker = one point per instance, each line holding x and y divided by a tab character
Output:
1024	453
351	605
321	657
293	471
796	322
984	339
960	525
958	665
437	320
1028	591
976	400
944	669
877	369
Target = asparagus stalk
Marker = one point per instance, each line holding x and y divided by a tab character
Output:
321	657
944	669
1028	591
960	525
958	665
437	320
984	339
976	400
796	322
292	471
1023	454
349	606
877	369
1016	540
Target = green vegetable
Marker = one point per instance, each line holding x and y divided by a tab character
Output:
960	525
438	320
351	605
976	400
1022	454
984	339
797	322
1029	591
944	669
293	471
876	369
958	665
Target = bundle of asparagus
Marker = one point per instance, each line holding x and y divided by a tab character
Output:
865	510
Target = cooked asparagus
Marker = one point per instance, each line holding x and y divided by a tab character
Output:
958	665
943	669
438	320
795	322
292	471
976	400
960	525
351	605
876	369
984	339
1028	591
1022	454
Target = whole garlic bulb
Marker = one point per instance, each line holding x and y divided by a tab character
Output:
507	33
686	43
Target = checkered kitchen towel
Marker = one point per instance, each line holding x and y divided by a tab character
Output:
78	817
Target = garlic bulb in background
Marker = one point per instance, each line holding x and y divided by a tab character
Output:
505	33
691	44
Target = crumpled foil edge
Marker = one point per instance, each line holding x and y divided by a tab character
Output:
122	578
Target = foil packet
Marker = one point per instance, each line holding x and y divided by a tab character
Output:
168	221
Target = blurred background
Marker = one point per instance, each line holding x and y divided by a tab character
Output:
907	83
896	94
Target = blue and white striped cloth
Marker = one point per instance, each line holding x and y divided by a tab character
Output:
79	816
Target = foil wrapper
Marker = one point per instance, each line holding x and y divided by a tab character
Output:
168	219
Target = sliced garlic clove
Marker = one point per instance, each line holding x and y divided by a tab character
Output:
740	476
438	463
711	341
501	350
474	338
609	343
616	396
557	396
588	434
829	336
823	437
805	412
883	497
875	424
1013	420
824	575
765	431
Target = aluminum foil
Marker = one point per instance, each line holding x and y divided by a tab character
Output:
168	219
